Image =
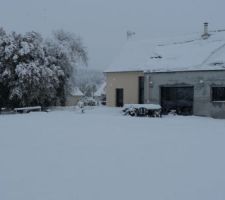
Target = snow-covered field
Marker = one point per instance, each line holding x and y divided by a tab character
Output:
102	155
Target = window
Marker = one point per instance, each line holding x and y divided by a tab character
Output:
218	93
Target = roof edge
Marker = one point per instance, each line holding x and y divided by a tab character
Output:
124	71
175	71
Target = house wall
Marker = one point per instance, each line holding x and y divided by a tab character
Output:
202	82
126	80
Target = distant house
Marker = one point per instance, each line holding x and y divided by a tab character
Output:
185	74
74	96
100	94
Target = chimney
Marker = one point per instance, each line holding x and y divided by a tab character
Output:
206	34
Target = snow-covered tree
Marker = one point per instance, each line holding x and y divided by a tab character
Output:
35	72
7	49
66	51
88	80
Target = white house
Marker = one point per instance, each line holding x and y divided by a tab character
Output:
74	96
184	73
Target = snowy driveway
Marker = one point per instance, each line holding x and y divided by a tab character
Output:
101	155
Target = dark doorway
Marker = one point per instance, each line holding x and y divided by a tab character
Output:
119	97
141	90
179	99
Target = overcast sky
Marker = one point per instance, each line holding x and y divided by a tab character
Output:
103	23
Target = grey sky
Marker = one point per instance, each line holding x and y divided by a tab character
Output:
103	23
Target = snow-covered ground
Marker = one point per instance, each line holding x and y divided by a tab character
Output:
102	155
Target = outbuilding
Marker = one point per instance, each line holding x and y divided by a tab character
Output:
74	96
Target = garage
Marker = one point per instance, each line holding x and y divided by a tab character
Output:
179	99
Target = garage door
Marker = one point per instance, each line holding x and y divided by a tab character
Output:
177	98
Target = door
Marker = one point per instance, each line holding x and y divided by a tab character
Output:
119	97
177	98
141	90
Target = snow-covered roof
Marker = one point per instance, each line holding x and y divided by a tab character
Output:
76	92
185	53
101	90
